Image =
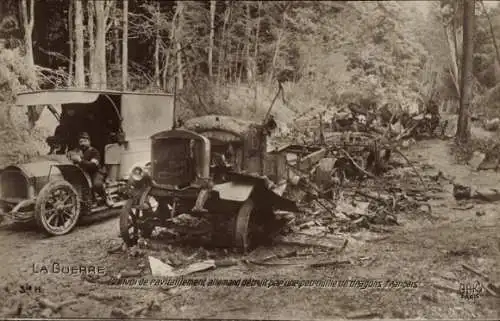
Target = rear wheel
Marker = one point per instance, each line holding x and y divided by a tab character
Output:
57	208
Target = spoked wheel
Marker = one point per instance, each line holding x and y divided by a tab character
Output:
57	208
132	220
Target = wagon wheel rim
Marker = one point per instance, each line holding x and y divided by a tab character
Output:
60	209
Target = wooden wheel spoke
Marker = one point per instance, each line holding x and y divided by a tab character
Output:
58	216
66	214
66	199
51	217
67	206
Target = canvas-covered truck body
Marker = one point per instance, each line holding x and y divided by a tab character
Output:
52	190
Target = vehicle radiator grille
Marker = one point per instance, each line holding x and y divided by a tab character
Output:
172	164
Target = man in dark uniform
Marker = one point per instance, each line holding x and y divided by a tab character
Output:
90	161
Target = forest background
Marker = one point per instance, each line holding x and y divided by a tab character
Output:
226	57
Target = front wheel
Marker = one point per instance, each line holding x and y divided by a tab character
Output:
132	222
57	208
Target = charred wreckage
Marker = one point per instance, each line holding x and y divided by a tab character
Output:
217	168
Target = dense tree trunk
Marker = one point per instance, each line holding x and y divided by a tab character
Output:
463	127
278	43
169	51
71	37
116	43
453	62
157	46
248	35
178	52
28	23
211	39
125	46
256	55
28	17
102	9
242	59
79	56
223	49
93	77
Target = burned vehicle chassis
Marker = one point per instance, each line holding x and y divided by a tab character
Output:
238	198
233	223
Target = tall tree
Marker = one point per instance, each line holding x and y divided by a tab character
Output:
71	36
178	47
156	26
248	34
125	46
102	10
93	76
463	129
28	23
79	58
211	40
224	47
256	53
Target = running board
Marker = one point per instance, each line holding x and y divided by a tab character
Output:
101	208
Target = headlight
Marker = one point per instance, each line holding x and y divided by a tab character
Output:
137	174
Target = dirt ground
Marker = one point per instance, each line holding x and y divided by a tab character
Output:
422	249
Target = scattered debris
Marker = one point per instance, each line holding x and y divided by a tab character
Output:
441	285
492	125
480	213
116	249
306	240
462	192
158	268
475	271
464	208
429	298
104	297
15	311
363	315
477	160
46	303
129	274
119	313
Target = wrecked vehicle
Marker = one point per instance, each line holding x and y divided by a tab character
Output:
214	167
54	192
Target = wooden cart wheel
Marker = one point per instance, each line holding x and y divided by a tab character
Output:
129	223
57	208
243	226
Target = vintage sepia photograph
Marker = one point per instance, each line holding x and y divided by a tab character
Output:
249	160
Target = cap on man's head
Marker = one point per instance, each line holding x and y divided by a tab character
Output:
84	135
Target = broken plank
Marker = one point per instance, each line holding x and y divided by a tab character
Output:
438	284
307	240
473	270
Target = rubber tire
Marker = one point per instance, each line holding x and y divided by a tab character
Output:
124	228
42	196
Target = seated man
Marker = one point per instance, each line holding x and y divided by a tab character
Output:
90	161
